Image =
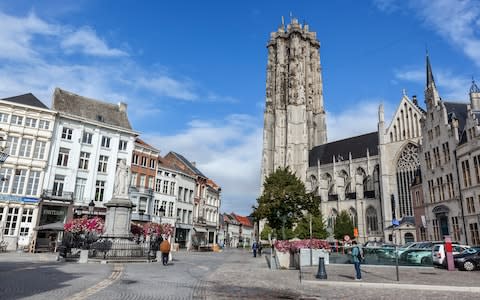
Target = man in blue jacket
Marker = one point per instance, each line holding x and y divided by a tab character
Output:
255	248
357	256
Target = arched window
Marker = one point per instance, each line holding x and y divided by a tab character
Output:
409	237
407	166
372	221
331	218
353	216
314	183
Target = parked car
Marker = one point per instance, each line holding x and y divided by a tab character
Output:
439	254
417	256
468	260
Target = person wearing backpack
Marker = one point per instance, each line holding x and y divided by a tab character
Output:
357	257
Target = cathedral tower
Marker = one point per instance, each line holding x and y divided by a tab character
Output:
294	118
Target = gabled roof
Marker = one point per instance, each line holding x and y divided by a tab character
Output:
188	164
27	99
459	111
230	219
245	221
356	145
108	113
144	144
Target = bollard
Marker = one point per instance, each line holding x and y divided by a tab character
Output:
321	274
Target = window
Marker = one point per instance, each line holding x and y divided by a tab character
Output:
43	124
431	191
467	181
165	187
102	164
80	189
62	159
170	209
3	118
428	160
152	163
105	142
58	185
12	144
99	190
5	176
122	145
67	133
84	159
142	180
436	230
441	190
476	164
134	179
144	161
164	207
450	186
30	122
39	150
437	130
474	236
470	205
158	185
19	181
436	154
430	135
32	184
135	159
446	152
87	138
150	182
372	221
24	230
25	147
16	120
27	215
172	188
156	206
456	229
11	221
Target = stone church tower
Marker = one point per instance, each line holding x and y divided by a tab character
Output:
294	118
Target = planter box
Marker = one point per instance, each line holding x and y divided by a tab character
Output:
283	259
316	253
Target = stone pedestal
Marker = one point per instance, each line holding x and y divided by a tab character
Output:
83	257
117	220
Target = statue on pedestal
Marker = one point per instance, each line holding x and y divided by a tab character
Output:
122	180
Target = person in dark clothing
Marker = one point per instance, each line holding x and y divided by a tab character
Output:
259	249
255	248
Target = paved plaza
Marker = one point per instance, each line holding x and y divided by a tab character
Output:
231	274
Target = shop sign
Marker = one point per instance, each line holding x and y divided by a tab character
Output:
14	198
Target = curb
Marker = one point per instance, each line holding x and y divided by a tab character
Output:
405	286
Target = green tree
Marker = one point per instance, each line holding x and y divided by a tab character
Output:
343	225
284	200
302	231
265	232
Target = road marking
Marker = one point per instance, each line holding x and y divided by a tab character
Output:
117	272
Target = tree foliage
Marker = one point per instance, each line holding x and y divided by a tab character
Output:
302	231
343	225
284	201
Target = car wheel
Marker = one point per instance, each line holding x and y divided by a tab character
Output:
468	266
426	261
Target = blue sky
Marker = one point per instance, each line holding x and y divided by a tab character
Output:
193	72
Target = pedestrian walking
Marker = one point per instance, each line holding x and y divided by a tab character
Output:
255	248
259	249
165	249
357	256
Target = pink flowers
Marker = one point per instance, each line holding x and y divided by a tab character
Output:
294	246
151	229
84	225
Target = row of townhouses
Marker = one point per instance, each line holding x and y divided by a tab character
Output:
236	231
57	164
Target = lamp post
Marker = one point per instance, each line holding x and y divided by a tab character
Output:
91	209
161	213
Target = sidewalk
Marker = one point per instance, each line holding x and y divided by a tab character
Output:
422	278
13	256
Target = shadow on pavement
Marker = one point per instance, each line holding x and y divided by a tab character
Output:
19	280
219	291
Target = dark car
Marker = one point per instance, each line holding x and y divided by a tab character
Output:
468	260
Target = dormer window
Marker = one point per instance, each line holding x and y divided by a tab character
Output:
100	118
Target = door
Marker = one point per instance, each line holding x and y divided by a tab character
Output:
444	226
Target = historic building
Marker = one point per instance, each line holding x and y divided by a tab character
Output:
89	139
368	176
26	126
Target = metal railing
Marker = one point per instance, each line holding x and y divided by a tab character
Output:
57	195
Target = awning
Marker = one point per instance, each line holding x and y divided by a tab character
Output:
58	226
203	230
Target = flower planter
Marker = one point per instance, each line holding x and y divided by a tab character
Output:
283	259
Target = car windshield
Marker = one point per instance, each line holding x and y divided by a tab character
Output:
470	250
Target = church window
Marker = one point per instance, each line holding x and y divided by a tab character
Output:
467	181
372	220
407	166
353	216
476	163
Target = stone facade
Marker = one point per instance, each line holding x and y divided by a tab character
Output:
294	114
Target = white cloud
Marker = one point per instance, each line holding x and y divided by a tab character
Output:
85	40
360	119
167	86
450	86
228	151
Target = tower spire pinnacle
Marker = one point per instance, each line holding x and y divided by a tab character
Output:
474	88
430	79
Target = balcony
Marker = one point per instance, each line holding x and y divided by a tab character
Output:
142	190
57	195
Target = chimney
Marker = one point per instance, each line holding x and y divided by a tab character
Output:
194	164
122	107
414	99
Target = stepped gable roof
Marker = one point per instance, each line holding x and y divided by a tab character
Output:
108	113
245	221
459	111
356	145
213	185
187	163
26	99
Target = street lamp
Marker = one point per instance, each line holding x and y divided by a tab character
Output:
91	208
161	213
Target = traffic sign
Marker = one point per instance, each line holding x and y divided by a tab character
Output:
346	238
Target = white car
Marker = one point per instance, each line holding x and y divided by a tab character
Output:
438	253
